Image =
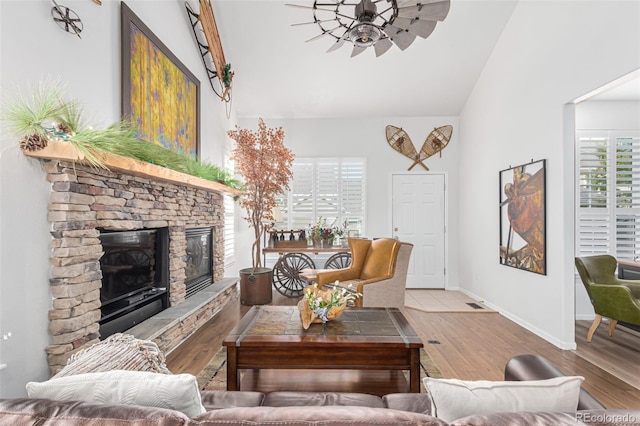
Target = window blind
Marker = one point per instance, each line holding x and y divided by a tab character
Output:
627	193
229	221
331	188
229	228
608	210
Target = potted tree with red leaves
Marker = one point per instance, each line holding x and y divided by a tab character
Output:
264	162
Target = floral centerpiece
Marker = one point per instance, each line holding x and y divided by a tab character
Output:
319	305
322	232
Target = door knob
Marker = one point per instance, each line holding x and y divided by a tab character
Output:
395	229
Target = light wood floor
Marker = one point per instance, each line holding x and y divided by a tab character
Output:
471	347
611	353
443	301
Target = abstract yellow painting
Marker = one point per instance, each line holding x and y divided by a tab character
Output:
160	95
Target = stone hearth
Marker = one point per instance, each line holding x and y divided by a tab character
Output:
85	199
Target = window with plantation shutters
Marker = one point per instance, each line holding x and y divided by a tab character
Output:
229	235
299	212
352	194
331	188
609	193
229	222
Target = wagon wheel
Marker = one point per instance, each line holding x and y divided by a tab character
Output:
286	274
338	261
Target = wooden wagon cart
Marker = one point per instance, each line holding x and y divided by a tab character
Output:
294	257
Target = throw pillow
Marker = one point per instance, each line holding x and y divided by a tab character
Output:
452	398
117	352
119	387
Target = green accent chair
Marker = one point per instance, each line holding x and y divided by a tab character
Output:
618	300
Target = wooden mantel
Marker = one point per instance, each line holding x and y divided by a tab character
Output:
57	150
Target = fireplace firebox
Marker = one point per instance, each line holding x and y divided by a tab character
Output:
199	268
135	277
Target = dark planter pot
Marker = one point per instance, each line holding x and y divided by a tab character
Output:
255	286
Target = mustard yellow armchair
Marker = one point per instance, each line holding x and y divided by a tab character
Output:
618	300
378	271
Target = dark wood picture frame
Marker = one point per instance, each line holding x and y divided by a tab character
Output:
523	235
160	95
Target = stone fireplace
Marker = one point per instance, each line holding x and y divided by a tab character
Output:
86	202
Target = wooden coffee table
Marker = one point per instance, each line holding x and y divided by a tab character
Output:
272	337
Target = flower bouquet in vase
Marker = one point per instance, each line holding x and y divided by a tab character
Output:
320	305
323	235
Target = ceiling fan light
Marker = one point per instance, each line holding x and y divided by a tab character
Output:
365	34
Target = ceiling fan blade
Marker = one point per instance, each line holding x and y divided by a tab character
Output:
399	37
382	46
314	22
337	45
357	50
309	7
432	11
420	27
315	6
324	33
405	3
299	5
324	10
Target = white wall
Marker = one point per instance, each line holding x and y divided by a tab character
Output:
365	137
33	49
596	115
549	54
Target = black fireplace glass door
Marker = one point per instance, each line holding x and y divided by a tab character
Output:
128	263
199	259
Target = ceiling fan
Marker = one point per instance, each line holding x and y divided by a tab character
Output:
377	23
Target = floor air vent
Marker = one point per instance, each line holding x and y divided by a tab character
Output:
475	305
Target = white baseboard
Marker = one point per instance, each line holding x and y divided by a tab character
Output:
585	317
541	333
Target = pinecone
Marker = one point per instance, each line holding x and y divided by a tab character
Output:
63	128
34	142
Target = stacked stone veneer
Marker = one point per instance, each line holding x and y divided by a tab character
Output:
84	200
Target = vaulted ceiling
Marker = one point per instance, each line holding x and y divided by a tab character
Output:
278	74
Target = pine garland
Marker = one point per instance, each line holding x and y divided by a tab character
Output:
46	115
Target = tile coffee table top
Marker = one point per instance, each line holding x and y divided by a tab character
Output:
285	320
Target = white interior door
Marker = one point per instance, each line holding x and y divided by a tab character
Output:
418	217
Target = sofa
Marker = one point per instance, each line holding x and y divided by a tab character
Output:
316	408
